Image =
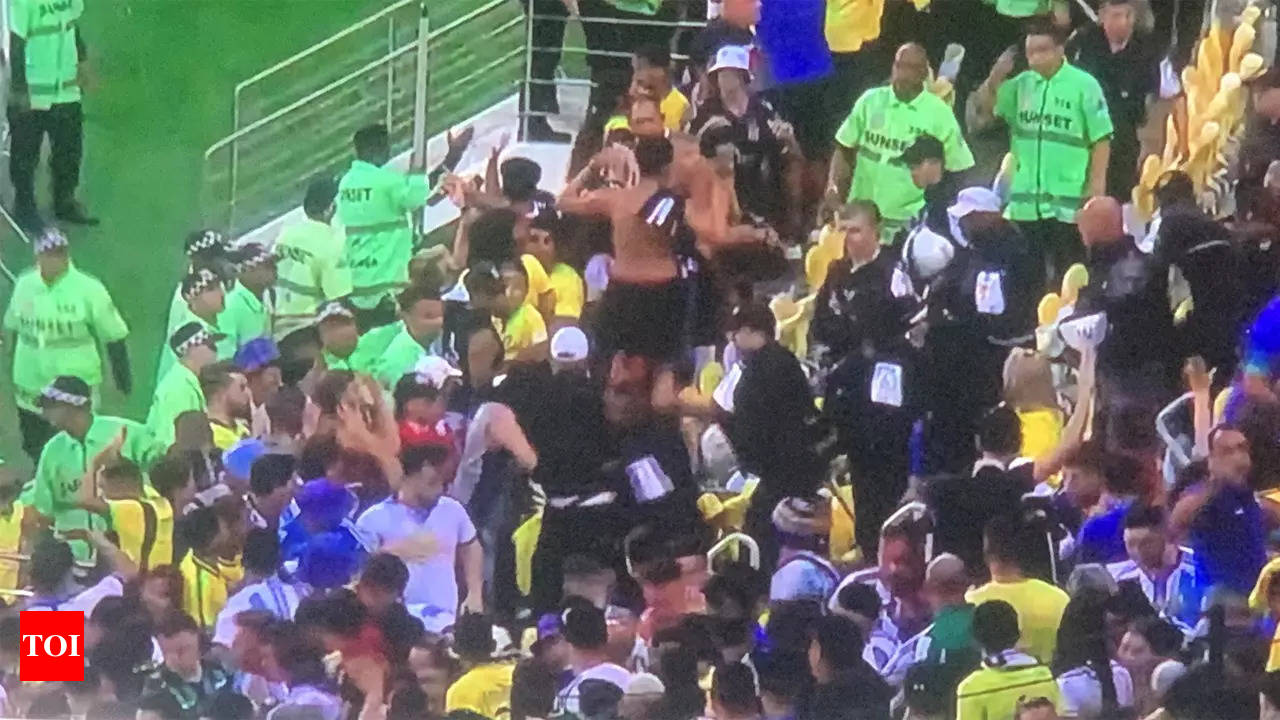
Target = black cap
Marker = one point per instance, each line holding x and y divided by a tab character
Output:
754	316
926	147
66	389
191	335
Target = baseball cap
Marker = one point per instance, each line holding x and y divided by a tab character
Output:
191	335
201	241
731	57
926	147
49	239
434	371
66	389
197	282
334	309
257	354
974	199
569	344
645	685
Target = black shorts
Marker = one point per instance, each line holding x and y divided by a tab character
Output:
645	320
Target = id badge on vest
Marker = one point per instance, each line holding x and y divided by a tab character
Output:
649	481
988	292
886	384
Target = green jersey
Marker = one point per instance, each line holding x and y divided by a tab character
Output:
62	464
178	392
52	60
310	269
245	317
59	328
879	128
373	206
1053	124
397	360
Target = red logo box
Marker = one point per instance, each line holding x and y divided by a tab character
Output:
52	645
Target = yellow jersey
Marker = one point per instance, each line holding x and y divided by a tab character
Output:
993	692
11	542
204	590
566	284
539	283
485	689
851	23
145	529
1039	606
225	436
523	329
674	107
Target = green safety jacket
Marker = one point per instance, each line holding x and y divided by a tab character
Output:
373	207
51	57
1053	125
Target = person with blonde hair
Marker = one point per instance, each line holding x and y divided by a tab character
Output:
1028	389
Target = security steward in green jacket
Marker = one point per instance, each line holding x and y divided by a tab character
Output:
44	97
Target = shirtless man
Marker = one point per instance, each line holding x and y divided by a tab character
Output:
641	310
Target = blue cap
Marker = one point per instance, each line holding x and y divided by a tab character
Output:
256	354
329	560
323	503
238	459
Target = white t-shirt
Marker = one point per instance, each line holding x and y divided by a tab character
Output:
1082	693
432	583
86	600
567	699
273	595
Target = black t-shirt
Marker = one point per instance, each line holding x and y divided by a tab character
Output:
1127	77
962	507
758	168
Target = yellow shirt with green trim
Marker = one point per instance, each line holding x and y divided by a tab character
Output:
177	393
59	328
1053	125
373	207
204	589
570	294
993	691
485	689
63	462
145	528
523	329
311	269
879	128
1039	606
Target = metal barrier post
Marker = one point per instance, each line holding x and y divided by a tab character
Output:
391	73
526	91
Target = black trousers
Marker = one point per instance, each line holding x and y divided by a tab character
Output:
35	432
596	532
1058	245
548	34
879	468
64	123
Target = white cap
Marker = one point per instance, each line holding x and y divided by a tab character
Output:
434	371
732	57
569	344
974	199
929	252
643	684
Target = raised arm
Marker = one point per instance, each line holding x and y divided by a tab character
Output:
1073	433
980	112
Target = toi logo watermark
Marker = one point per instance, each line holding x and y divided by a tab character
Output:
52	645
